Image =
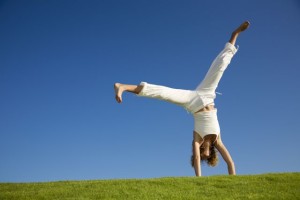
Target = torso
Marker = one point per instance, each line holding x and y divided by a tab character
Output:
211	137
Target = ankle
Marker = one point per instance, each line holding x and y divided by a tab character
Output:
235	33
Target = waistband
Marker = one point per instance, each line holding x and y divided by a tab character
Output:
206	113
207	107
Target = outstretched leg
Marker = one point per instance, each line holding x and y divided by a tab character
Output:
237	31
177	96
120	88
215	72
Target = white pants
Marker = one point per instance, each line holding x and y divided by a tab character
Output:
194	100
205	123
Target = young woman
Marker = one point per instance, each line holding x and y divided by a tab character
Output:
199	102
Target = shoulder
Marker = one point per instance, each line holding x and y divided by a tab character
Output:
197	137
218	143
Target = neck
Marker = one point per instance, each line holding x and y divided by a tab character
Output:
210	139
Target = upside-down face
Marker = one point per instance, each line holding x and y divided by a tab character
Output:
205	150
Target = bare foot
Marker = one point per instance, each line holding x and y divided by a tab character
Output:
118	92
242	27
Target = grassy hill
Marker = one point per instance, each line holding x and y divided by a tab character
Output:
266	186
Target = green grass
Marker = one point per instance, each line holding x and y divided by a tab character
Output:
266	186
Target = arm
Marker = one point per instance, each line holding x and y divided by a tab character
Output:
226	156
196	153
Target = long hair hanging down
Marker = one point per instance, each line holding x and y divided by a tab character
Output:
212	160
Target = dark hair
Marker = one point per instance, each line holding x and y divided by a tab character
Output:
212	160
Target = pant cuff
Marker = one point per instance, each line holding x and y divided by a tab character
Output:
142	92
231	47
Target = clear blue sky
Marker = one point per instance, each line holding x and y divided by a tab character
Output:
59	60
